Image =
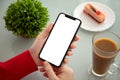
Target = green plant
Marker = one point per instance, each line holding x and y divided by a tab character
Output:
26	18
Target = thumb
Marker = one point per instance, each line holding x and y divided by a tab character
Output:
46	32
49	71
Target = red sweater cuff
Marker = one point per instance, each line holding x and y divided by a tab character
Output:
19	66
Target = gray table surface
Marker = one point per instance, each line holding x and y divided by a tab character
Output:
81	60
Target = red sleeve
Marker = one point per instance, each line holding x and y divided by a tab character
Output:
17	67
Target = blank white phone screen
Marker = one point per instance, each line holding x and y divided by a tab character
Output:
59	40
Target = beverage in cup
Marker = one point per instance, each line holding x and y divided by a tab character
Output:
105	48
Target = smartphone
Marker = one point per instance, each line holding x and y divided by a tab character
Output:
59	39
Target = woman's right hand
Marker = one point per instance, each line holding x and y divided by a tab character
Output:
62	73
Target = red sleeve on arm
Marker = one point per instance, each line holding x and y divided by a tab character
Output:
17	67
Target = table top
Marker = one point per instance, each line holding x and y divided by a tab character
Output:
81	60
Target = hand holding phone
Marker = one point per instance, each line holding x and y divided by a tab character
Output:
59	39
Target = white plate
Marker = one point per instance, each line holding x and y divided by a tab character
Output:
89	23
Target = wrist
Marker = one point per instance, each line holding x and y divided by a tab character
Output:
35	57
